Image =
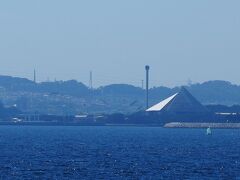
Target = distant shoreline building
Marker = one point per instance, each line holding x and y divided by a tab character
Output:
181	102
180	107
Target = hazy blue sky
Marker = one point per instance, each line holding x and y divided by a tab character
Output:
180	40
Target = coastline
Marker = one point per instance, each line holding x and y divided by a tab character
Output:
167	125
202	125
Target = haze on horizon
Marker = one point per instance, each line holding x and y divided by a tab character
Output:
180	40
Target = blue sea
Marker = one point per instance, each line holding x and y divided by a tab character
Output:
64	152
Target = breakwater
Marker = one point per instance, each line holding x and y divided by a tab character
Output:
202	125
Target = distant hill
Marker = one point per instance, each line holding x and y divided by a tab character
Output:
121	89
72	97
70	87
217	92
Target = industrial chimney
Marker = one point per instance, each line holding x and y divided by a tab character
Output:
147	84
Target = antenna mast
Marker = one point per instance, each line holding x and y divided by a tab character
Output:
34	76
91	81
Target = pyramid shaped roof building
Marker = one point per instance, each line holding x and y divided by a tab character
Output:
182	102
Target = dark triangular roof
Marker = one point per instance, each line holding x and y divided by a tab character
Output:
179	103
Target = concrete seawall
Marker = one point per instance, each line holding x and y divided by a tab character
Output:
202	125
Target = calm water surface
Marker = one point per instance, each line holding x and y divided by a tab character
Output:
28	152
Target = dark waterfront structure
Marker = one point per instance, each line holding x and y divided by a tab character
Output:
182	102
182	107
